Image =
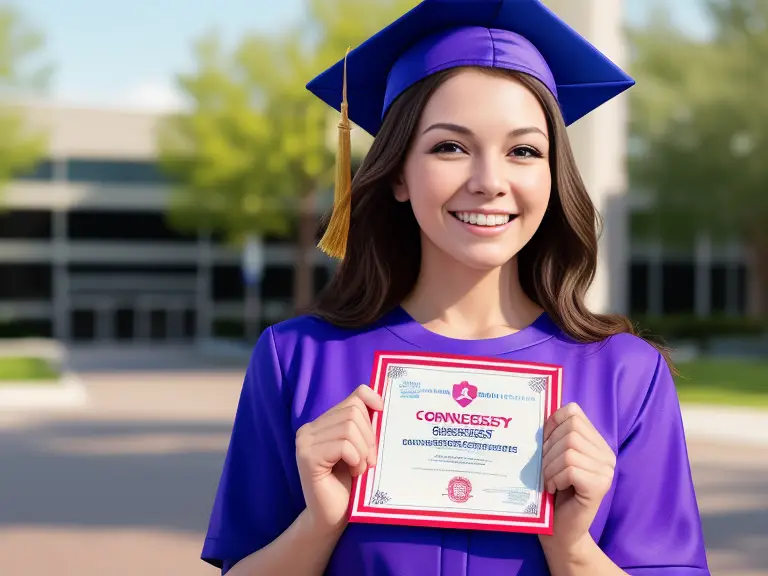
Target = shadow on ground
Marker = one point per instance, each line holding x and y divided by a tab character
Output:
163	475
131	474
740	529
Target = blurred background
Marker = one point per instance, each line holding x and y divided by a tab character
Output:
162	174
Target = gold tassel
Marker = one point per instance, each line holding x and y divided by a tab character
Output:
334	241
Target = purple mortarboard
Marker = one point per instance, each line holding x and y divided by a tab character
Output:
520	35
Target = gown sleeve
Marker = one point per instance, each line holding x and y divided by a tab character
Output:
256	500
654	527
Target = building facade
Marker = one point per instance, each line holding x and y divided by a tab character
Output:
87	255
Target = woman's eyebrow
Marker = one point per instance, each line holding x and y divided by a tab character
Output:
467	132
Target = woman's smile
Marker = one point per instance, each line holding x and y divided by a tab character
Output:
484	223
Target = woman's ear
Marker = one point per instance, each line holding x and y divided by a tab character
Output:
400	190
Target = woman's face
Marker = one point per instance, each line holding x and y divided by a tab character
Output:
477	175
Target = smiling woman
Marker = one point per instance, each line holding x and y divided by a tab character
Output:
467	231
481	163
494	208
465	144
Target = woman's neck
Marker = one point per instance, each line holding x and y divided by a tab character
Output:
461	302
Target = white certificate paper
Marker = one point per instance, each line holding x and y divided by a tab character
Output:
459	443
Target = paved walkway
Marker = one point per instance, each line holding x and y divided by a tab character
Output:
721	423
124	487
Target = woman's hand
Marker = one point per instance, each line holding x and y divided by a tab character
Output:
330	451
578	468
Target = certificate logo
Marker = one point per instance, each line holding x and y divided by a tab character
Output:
464	393
459	489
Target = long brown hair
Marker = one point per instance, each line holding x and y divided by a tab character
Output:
383	254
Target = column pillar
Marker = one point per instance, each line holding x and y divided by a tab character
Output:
105	325
60	248
203	296
703	284
599	142
656	280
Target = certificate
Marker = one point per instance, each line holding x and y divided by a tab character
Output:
459	444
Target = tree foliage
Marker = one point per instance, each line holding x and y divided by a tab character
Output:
256	145
700	128
21	148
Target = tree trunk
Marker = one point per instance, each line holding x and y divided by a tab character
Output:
303	284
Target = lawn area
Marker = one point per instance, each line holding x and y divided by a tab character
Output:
719	381
30	370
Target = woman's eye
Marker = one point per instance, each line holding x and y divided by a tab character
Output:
526	152
447	148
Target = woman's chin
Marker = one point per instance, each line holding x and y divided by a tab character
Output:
484	260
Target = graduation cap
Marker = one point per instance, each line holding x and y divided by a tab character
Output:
520	35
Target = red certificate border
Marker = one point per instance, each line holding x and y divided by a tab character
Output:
362	513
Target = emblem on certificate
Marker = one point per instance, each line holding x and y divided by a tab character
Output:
459	443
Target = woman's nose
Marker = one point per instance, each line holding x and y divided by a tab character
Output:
489	178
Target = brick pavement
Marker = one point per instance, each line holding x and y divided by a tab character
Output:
124	487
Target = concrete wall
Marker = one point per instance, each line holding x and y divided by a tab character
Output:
600	143
96	133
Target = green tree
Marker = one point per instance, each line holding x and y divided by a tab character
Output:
256	148
700	129
21	147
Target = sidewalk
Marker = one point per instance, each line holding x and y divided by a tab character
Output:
744	426
726	424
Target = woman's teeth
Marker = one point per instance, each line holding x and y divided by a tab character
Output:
482	219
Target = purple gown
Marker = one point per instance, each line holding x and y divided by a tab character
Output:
648	523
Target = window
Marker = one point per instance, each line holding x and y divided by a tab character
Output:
742	289
679	282
133	226
278	283
724	279
190	323
227	284
158	324
639	300
290	238
26	282
148	269
115	172
125	322
83	325
719	288
26	225
228	329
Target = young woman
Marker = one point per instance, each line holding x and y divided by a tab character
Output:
471	233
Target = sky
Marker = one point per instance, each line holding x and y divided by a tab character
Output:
111	53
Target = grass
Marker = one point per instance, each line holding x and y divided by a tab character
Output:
725	382
704	381
27	370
